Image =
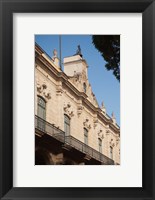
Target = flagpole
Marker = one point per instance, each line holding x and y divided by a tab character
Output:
60	50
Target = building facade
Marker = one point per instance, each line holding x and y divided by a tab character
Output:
70	127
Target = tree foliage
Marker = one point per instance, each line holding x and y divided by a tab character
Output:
109	47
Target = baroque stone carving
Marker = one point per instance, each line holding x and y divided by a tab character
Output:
59	89
117	141
100	134
43	91
113	118
79	109
112	143
107	132
55	53
86	124
77	77
84	76
95	122
103	108
68	110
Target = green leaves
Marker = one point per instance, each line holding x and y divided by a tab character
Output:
109	47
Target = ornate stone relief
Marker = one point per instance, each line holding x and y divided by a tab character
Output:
117	141
95	122
84	76
107	132
68	109
112	142
43	91
86	124
100	134
113	118
77	76
59	89
79	109
103	108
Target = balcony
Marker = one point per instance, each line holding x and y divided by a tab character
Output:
43	127
47	128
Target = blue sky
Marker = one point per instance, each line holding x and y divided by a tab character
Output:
104	85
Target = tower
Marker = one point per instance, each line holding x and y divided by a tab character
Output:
76	68
75	65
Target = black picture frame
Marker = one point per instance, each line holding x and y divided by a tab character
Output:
7	8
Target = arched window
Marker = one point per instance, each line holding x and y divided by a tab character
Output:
84	87
41	112
111	152
67	125
100	145
85	136
41	108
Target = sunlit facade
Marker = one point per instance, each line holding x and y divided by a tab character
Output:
70	127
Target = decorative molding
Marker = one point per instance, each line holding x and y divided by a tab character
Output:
117	141
59	89
79	109
86	124
68	110
95	122
107	132
43	91
84	76
112	143
77	77
100	134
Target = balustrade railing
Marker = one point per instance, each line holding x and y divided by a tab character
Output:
77	144
58	134
49	129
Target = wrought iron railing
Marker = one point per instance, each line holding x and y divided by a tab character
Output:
58	134
70	140
49	129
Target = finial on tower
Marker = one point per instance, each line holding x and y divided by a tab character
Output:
55	58
55	53
103	108
78	51
113	118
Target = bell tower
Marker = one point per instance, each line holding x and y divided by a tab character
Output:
76	65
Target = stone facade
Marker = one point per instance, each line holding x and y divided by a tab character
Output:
69	94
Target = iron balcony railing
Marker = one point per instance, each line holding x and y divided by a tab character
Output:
58	134
70	140
49	129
